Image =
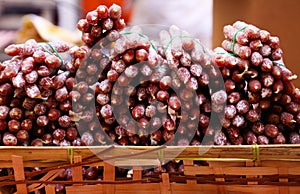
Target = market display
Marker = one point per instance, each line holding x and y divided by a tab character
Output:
122	88
172	91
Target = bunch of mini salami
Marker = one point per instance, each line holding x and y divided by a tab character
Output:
263	103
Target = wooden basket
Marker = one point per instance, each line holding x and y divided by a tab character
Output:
230	169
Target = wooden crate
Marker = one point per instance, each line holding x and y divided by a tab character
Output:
230	169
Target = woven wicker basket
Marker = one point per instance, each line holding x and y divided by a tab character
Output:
230	169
